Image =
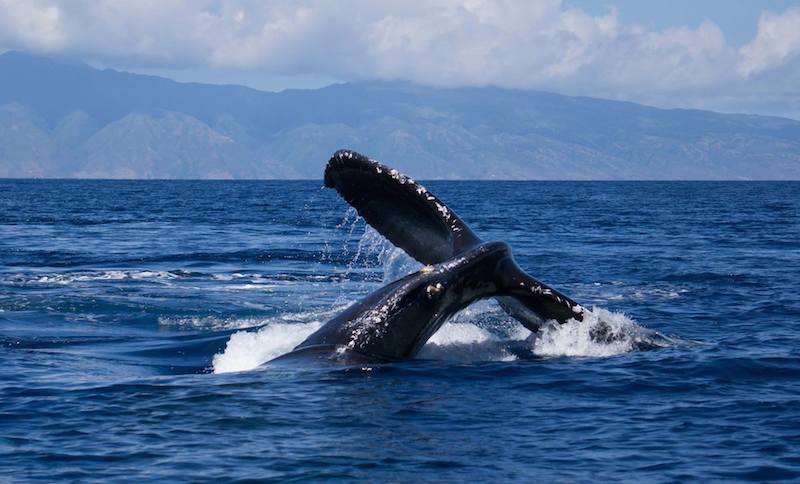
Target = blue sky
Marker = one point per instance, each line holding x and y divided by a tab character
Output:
725	55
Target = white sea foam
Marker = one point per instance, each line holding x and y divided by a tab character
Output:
236	276
229	282
114	275
465	342
247	350
251	287
601	333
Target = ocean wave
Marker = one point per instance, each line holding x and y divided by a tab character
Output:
90	276
233	281
211	323
48	258
619	291
223	323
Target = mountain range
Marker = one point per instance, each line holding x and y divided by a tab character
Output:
60	118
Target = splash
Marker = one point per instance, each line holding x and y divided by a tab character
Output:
247	350
481	332
396	264
466	342
602	333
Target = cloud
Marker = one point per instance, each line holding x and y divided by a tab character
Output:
777	42
31	25
512	43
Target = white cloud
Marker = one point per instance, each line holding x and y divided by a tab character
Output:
513	43
30	24
777	41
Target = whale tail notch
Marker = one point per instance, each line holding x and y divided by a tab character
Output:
415	220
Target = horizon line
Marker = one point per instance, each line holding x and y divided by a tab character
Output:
466	180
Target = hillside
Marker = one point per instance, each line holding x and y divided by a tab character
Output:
65	119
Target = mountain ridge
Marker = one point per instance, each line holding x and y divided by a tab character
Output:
66	119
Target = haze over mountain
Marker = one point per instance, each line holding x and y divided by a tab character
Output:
65	119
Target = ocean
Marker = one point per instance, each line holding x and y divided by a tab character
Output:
136	318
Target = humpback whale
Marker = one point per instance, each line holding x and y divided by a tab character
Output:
395	321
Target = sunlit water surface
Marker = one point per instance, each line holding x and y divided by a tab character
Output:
136	318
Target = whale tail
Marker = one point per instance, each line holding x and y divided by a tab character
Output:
415	220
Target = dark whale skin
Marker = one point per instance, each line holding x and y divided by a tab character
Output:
395	321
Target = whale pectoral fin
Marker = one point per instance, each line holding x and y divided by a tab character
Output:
400	209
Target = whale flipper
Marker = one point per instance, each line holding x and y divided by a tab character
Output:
412	218
399	208
395	321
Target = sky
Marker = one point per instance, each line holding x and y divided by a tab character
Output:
724	55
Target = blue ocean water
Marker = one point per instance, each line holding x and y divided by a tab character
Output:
135	317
